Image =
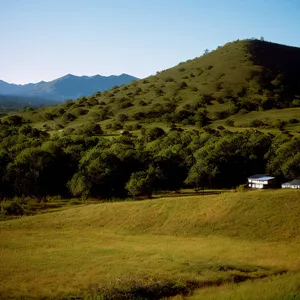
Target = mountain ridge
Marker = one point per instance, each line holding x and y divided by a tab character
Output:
66	87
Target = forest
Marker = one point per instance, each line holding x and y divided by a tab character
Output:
34	164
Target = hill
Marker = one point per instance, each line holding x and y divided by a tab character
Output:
66	87
220	88
154	134
206	245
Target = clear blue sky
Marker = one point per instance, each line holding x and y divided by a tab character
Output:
46	39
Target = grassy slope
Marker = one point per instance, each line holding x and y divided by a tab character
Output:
172	244
251	70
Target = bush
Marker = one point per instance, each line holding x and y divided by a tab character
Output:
69	130
122	118
47	116
242	188
183	85
229	122
294	121
169	79
128	127
68	117
142	103
296	103
279	124
136	126
125	104
256	123
153	134
95	116
12	208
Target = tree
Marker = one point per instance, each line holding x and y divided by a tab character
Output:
139	184
153	134
79	186
143	182
31	173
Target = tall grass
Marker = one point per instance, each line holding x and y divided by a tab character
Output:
154	248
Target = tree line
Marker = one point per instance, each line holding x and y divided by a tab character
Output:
34	164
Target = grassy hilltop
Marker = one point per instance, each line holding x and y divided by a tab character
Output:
204	247
242	80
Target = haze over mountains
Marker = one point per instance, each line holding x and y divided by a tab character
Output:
66	87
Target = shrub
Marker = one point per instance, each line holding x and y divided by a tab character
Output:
142	103
93	101
128	127
125	104
169	79
229	122
12	208
279	124
139	115
136	126
183	85
90	129
256	123
47	116
15	120
69	130
294	121
296	103
95	116
117	126
153	134
68	117
122	118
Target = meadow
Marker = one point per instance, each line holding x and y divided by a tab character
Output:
242	245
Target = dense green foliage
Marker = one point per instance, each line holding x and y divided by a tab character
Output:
35	164
155	133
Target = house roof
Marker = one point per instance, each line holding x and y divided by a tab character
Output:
294	182
261	177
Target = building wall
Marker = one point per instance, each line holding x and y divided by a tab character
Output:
290	186
256	185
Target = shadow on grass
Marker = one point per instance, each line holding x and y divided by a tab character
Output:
157	289
186	194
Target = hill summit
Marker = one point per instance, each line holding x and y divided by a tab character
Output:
237	78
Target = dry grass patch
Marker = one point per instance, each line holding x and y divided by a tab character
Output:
157	247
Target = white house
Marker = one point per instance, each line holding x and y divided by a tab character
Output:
261	181
295	184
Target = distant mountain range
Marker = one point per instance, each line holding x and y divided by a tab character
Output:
66	87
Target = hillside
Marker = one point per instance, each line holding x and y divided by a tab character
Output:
198	247
231	81
66	87
154	135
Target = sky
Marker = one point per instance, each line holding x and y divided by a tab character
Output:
47	39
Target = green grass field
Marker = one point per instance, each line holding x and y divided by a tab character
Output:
241	245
